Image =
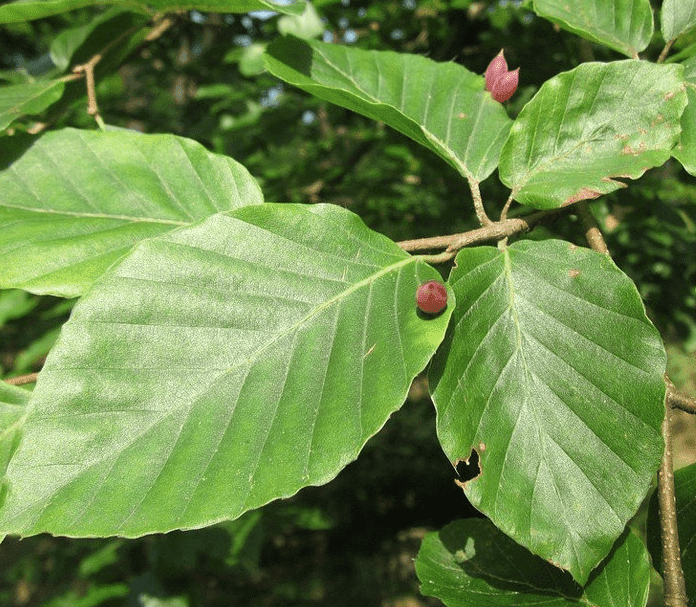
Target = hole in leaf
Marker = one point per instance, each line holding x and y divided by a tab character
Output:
468	469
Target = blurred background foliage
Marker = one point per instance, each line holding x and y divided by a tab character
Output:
353	541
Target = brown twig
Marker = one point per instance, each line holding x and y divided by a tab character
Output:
20	380
161	25
592	232
672	574
676	400
495	231
484	220
506	208
88	70
663	54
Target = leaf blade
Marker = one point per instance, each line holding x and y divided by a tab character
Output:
248	356
551	362
471	563
76	201
677	18
442	106
20	100
588	126
624	25
29	10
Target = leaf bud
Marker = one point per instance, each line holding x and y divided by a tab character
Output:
500	82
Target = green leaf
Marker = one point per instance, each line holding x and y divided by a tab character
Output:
592	124
678	17
78	44
472	564
685	150
15	304
13	396
13	402
219	367
552	373
229	6
251	62
442	106
685	490
623	25
307	25
34	352
76	201
20	100
28	10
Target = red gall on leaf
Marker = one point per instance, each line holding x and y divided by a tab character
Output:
500	82
431	297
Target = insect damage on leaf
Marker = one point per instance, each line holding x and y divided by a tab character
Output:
467	469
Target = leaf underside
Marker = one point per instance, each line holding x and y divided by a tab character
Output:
623	25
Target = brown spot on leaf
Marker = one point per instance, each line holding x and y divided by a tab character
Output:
461	115
627	149
582	194
573	273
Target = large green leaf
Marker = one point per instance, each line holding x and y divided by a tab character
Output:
552	373
219	367
685	151
440	105
678	17
13	402
78	44
28	10
78	200
624	25
592	124
15	304
20	100
472	564
685	490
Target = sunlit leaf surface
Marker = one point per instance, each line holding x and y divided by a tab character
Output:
552	373
76	201
219	367
589	127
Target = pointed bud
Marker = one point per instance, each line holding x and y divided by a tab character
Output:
500	82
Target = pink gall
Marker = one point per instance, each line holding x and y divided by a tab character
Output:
431	297
500	82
